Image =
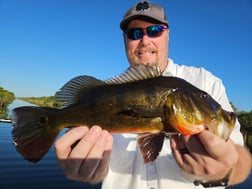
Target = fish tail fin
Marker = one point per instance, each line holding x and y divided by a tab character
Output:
34	131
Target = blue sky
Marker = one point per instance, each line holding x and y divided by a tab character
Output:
44	43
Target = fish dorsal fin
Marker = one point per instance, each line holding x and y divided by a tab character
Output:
71	92
135	73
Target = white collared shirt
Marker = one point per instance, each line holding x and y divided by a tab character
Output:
127	169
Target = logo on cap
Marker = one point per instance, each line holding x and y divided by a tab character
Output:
142	6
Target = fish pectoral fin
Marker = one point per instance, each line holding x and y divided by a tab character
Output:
150	145
142	111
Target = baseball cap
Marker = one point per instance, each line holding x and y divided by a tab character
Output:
146	11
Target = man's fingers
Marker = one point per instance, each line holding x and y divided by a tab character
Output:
64	143
97	158
176	146
80	152
86	143
211	143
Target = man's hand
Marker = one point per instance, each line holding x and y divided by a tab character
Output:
209	157
84	153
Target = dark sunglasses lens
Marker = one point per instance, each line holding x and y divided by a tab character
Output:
135	33
154	31
138	33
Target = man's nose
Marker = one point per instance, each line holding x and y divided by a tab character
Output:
145	40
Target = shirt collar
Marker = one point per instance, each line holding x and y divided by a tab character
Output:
170	68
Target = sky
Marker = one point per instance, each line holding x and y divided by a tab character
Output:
45	43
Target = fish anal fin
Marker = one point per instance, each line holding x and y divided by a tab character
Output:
150	145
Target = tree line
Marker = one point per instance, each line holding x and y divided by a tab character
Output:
6	98
245	119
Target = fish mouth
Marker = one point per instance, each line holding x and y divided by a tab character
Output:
188	127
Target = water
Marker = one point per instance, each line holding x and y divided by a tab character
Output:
16	173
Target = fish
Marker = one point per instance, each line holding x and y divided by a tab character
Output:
140	101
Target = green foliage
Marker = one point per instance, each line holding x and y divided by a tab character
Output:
233	106
245	119
6	98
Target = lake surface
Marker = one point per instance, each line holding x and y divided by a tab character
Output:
16	173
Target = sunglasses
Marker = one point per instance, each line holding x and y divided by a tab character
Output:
138	33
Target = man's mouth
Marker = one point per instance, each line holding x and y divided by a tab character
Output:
146	52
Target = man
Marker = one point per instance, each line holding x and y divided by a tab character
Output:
184	161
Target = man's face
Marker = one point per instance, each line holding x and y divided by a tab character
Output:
147	50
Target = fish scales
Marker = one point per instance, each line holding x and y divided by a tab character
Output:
137	101
112	107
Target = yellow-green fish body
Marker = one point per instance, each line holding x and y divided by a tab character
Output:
138	101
